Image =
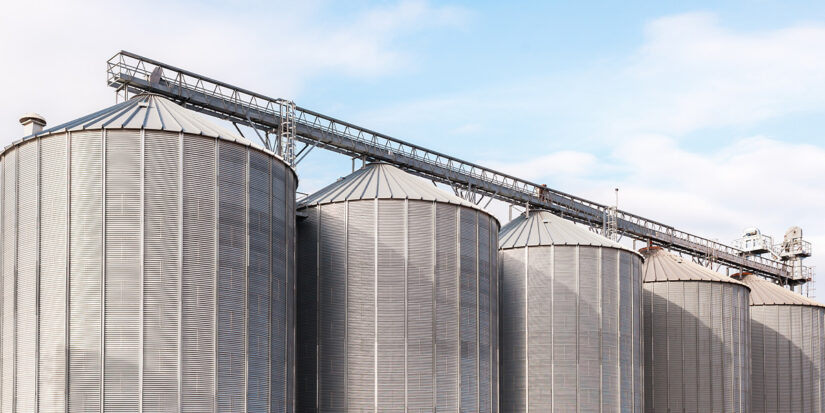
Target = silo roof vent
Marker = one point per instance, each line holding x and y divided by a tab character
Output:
32	123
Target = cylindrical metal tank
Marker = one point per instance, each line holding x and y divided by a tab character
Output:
788	347
147	265
398	303
571	331
697	337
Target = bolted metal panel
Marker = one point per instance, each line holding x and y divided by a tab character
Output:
396	283
565	323
494	315
484	314
446	308
570	340
610	297
161	272
469	309
589	328
332	274
421	302
361	314
85	294
258	278
232	161
787	335
122	318
391	305
27	221
306	360
689	317
138	210
198	275
52	336
536	279
280	306
513	323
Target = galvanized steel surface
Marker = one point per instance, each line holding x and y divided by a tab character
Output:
697	338
544	228
146	269
764	292
571	336
381	181
788	355
397	308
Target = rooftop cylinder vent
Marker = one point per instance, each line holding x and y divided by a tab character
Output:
32	123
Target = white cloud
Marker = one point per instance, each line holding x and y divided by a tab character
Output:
754	181
53	52
692	72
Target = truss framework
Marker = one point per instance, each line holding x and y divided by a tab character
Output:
131	73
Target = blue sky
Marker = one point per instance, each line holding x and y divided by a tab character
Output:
707	115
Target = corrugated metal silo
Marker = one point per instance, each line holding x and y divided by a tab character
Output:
788	347
147	266
571	336
697	337
398	303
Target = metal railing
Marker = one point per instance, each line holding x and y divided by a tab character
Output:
131	73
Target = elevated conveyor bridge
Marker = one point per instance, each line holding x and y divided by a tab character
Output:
280	123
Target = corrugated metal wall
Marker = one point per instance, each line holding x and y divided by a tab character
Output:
788	346
571	329
179	290
391	298
697	347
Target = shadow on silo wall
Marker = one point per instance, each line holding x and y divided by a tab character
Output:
697	347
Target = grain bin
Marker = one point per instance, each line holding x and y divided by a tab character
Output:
397	309
571	336
697	337
788	346
147	264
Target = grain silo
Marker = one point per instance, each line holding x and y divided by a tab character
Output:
397	308
697	337
788	346
571	336
147	266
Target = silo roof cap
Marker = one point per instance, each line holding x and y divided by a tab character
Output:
764	292
661	265
379	180
148	111
542	228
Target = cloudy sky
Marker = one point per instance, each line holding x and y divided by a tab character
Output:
708	116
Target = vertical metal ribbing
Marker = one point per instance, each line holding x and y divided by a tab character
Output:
103	271
433	320
67	271
246	284
142	341
375	305
2	273
179	406
37	288
269	317
346	304
406	298
527	330
216	262
478	316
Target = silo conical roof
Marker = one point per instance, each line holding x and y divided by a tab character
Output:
764	292
661	265
148	111
381	181
542	228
